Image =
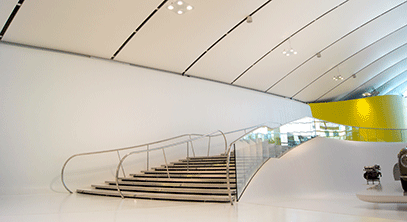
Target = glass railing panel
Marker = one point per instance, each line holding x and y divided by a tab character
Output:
255	148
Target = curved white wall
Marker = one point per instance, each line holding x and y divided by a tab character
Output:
53	105
321	167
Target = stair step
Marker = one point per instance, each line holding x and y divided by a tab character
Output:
165	190
206	161
200	164
223	175
194	168
178	180
193	172
207	157
158	196
173	184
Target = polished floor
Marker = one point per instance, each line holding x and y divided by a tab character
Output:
77	207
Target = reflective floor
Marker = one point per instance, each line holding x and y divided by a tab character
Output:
77	207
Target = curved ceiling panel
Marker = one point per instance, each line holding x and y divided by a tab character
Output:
250	41
399	90
374	81
6	7
373	68
376	57
348	19
90	27
392	84
172	42
216	42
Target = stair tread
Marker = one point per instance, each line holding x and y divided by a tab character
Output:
166	189
164	184
191	168
187	172
223	175
159	196
185	180
199	164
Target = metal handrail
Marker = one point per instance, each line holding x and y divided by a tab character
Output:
162	148
360	127
116	150
228	153
138	146
228	160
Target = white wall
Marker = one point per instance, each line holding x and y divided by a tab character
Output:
321	167
53	105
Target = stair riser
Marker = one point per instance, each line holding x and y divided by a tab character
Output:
178	180
146	196
195	172
192	169
165	190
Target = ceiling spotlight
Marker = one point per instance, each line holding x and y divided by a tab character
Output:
180	7
318	55
249	19
291	51
336	78
374	92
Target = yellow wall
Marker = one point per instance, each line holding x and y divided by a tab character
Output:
385	112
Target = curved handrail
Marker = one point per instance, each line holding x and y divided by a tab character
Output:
360	127
116	150
228	160
161	148
138	146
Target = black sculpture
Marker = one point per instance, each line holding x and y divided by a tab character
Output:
403	167
372	173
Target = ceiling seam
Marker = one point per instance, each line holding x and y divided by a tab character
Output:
346	35
351	76
392	79
396	87
296	32
10	18
347	95
223	36
137	29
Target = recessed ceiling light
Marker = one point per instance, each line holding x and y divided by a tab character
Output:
180	7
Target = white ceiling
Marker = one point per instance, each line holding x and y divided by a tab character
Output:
362	38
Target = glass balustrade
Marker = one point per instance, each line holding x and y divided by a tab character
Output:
253	149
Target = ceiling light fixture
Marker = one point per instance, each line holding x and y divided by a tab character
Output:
180	7
336	78
374	92
291	51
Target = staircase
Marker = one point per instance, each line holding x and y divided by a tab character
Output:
201	179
